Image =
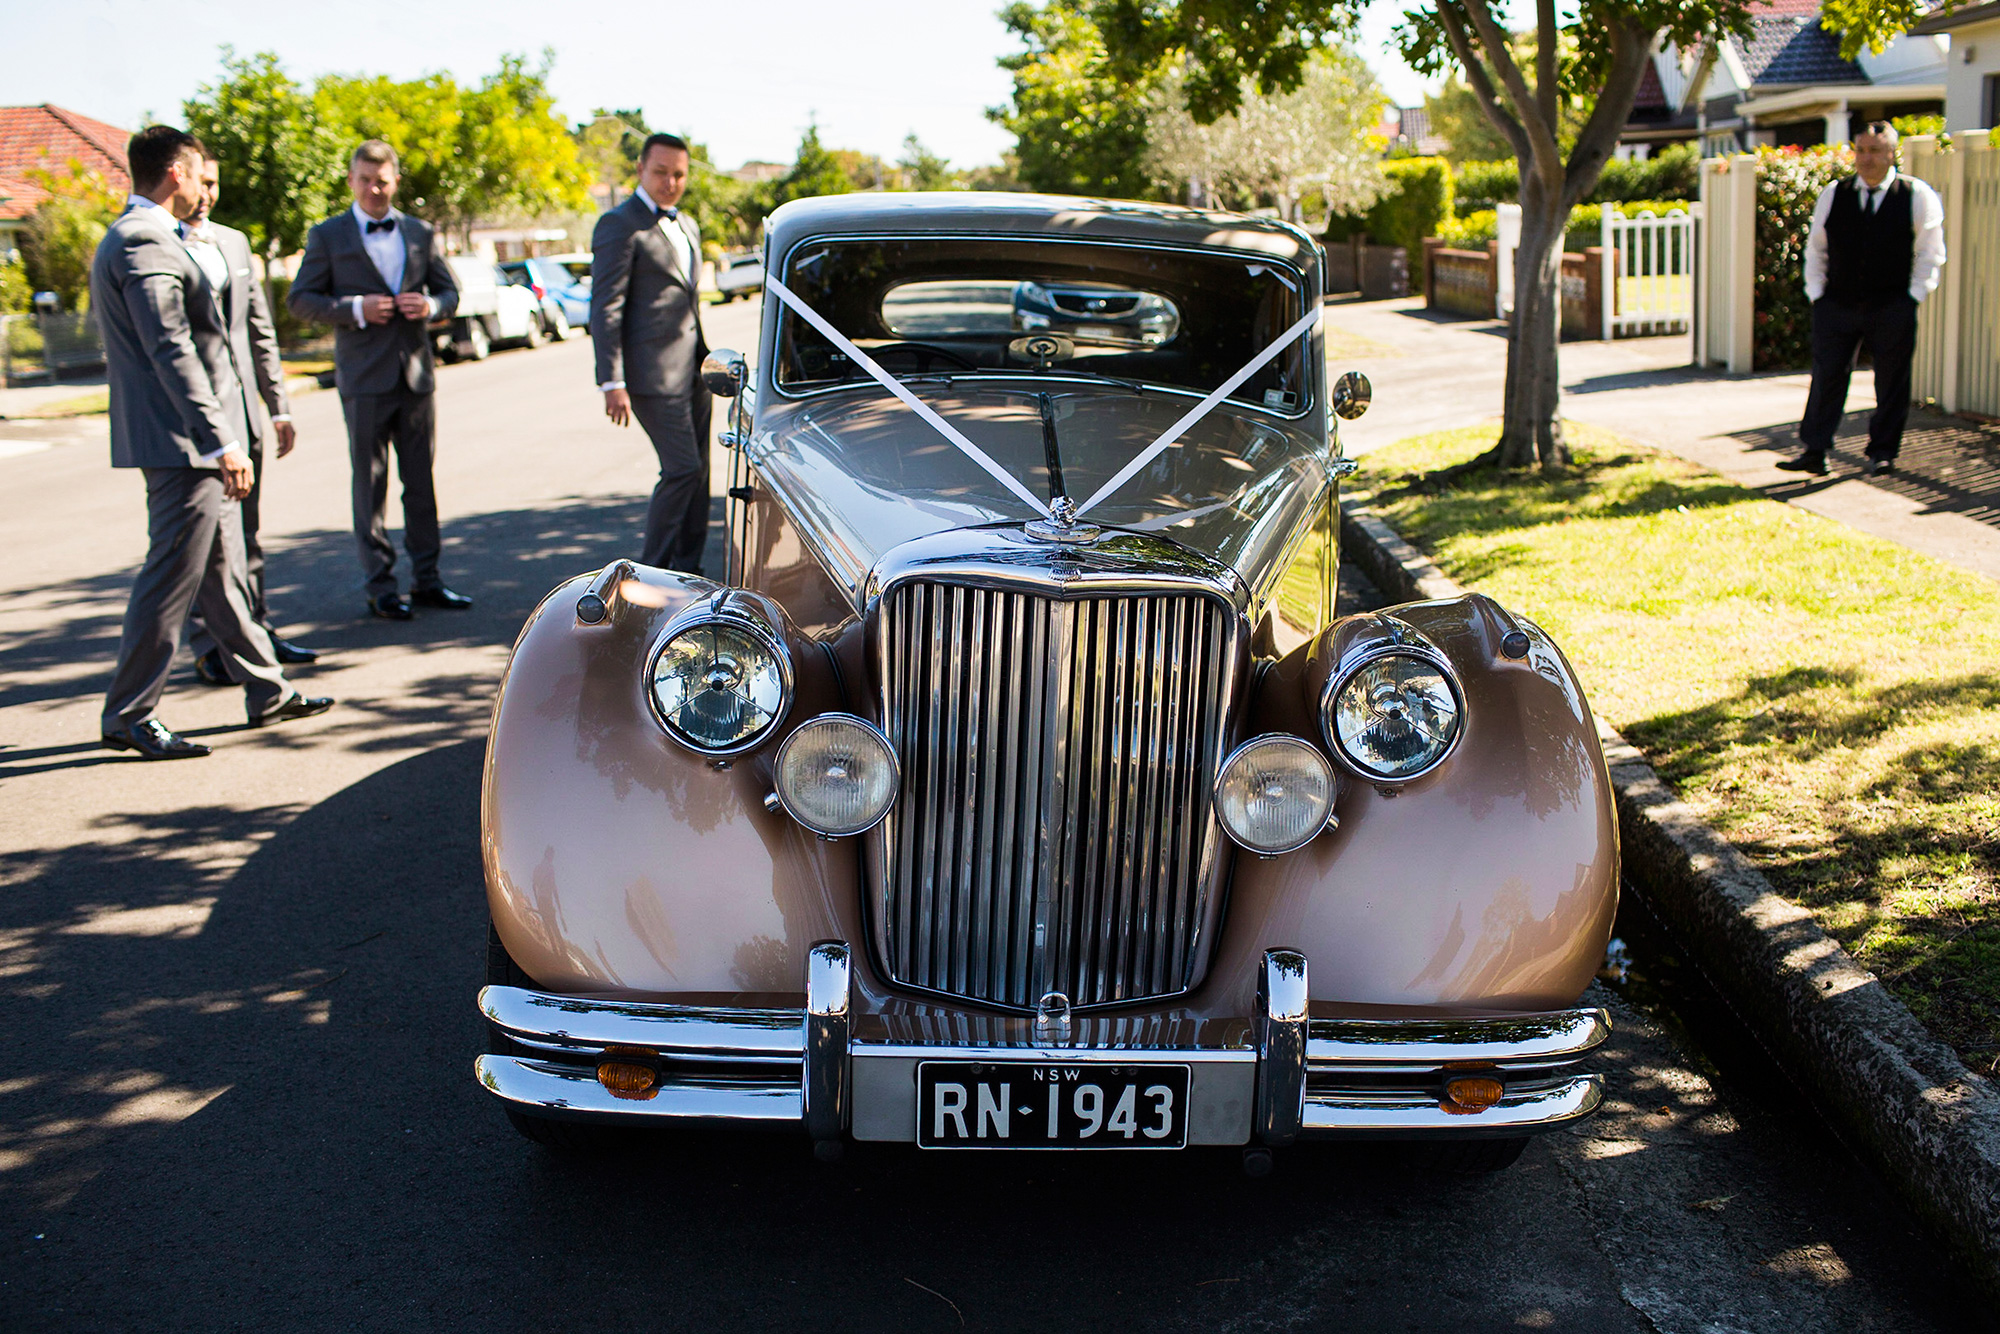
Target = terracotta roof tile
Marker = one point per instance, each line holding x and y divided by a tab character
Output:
50	137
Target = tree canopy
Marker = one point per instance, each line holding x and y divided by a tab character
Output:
281	161
1079	127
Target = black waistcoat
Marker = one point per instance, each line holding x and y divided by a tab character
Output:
1868	255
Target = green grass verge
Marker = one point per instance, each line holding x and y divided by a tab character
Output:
1828	700
88	403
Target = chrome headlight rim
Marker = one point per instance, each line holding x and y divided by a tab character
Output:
1287	739
709	612
874	733
1347	671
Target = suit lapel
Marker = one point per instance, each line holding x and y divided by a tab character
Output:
414	265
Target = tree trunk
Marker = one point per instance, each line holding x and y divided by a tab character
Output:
1531	431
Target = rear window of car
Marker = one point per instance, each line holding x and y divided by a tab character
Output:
1033	308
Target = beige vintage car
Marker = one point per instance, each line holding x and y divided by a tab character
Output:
1017	786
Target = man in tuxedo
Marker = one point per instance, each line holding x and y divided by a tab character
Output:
224	255
376	275
180	413
645	324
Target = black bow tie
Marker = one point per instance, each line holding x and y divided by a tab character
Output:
385	225
671	214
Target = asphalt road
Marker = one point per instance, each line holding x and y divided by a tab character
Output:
236	1027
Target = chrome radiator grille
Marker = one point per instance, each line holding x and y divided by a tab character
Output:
1054	831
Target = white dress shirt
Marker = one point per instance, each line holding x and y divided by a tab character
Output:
1926	216
387	252
683	252
206	254
172	225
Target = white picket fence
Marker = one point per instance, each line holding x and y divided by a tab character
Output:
1648	285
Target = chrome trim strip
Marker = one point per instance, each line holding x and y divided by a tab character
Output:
1521	1111
1552	1037
1281	1046
824	1079
586	1025
565	1092
985	1055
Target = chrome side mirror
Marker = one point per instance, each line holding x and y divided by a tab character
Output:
723	372
1351	395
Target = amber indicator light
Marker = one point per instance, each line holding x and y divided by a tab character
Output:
1465	1094
627	1072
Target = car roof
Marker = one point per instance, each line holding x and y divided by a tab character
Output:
1047	215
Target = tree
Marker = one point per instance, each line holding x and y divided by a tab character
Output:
922	169
1323	137
1457	116
1078	128
59	239
815	171
281	166
1595	50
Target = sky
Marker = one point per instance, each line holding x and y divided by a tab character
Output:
743	78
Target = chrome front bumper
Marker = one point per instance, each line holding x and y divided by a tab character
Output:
1279	1078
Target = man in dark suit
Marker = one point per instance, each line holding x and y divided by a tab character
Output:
224	255
645	324
376	275
178	411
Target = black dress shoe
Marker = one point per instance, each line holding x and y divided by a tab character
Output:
291	654
154	741
298	706
211	669
1812	463
390	607
1881	467
440	597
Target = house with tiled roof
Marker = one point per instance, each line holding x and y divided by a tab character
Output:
1787	83
51	138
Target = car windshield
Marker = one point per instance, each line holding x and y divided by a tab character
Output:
1033	309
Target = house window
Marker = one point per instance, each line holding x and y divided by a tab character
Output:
1989	102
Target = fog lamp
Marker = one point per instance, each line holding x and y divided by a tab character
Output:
1274	793
837	775
1472	1093
1394	716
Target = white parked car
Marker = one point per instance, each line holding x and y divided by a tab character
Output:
491	310
739	275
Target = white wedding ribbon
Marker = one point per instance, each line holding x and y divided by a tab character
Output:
910	400
1173	433
979	456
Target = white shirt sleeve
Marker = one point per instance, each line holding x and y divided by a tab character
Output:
359	322
1816	245
231	448
1927	216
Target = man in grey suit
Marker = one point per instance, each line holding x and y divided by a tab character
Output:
376	275
645	323
179	411
224	255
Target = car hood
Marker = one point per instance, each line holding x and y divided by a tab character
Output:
861	473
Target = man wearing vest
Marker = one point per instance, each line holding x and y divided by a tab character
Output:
1876	245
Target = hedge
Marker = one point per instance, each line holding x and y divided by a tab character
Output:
1416	204
1586	223
1671	173
1788	184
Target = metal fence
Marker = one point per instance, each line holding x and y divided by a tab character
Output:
43	347
1648	285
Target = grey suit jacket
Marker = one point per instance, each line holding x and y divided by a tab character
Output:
376	358
645	322
175	390
252	336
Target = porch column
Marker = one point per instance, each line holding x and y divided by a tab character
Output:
1836	124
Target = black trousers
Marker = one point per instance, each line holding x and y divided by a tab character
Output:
408	422
677	518
1889	331
194	558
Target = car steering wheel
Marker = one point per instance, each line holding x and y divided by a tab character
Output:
923	354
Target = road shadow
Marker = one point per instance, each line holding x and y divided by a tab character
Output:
1947	465
507	560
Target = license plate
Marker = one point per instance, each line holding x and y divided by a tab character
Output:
1097	333
1047	1105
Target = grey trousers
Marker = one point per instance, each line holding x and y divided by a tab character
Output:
408	422
200	641
677	518
194	558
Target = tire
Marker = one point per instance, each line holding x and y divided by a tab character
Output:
535	336
562	1136
1472	1157
478	342
561	329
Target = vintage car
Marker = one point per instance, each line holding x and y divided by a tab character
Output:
1015	785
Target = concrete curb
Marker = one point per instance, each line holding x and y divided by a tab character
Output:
1898	1095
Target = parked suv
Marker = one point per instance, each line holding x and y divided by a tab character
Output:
561	283
491	310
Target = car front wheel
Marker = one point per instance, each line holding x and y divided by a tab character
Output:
535	336
560	329
478	343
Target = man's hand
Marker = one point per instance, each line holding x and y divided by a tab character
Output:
378	309
618	406
237	478
413	305
287	437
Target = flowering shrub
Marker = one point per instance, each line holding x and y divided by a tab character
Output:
1788	183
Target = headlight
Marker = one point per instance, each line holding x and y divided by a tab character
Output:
1274	793
837	775
720	683
1394	716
